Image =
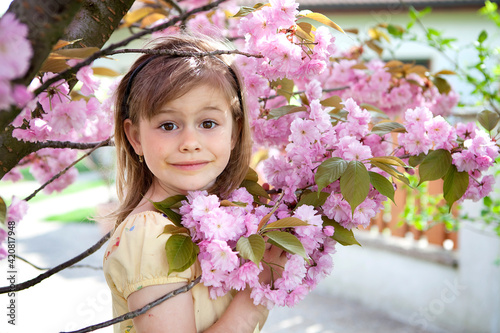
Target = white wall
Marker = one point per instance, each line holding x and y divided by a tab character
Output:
427	295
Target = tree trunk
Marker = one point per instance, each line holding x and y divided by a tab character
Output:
48	21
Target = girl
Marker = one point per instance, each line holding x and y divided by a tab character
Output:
181	125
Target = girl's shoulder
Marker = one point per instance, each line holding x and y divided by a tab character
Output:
138	230
147	217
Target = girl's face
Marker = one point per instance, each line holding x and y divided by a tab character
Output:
188	143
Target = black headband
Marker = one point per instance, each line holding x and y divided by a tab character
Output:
129	85
126	95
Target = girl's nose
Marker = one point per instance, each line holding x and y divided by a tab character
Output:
190	141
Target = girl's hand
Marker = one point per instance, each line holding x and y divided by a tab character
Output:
274	261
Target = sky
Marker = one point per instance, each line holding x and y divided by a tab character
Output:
4	5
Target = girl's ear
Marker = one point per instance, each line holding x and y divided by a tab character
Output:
132	133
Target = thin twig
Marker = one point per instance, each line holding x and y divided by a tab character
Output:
56	269
186	53
46	269
459	69
73	145
62	172
303	91
138	312
175	5
107	51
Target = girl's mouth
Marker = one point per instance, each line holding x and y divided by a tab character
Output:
190	165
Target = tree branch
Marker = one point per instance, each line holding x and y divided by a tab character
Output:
62	172
74	145
107	51
49	273
303	91
174	4
46	269
186	53
95	22
138	312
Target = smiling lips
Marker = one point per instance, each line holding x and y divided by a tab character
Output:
190	165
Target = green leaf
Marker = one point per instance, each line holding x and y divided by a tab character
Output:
244	10
314	199
482	36
181	253
227	203
355	184
329	171
395	30
442	85
375	110
254	188
333	101
487	201
325	20
391	160
284	110
384	128
284	87
251	248
416	160
382	184
488	119
287	222
391	171
287	242
252	175
3	211
435	165
305	31
342	235
169	202
77	53
173	217
173	229
455	184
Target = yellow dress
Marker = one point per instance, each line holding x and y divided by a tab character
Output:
135	258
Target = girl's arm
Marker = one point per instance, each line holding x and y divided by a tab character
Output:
177	313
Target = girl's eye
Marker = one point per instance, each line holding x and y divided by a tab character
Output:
208	124
169	126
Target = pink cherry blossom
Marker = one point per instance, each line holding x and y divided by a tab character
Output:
479	187
86	76
304	132
222	256
15	49
16	210
246	274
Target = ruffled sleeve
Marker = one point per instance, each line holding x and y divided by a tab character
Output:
135	257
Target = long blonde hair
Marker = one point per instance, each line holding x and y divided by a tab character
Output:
159	79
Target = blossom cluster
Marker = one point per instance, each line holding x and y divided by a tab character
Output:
313	139
60	118
272	31
15	54
216	229
475	155
373	83
313	64
16	211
